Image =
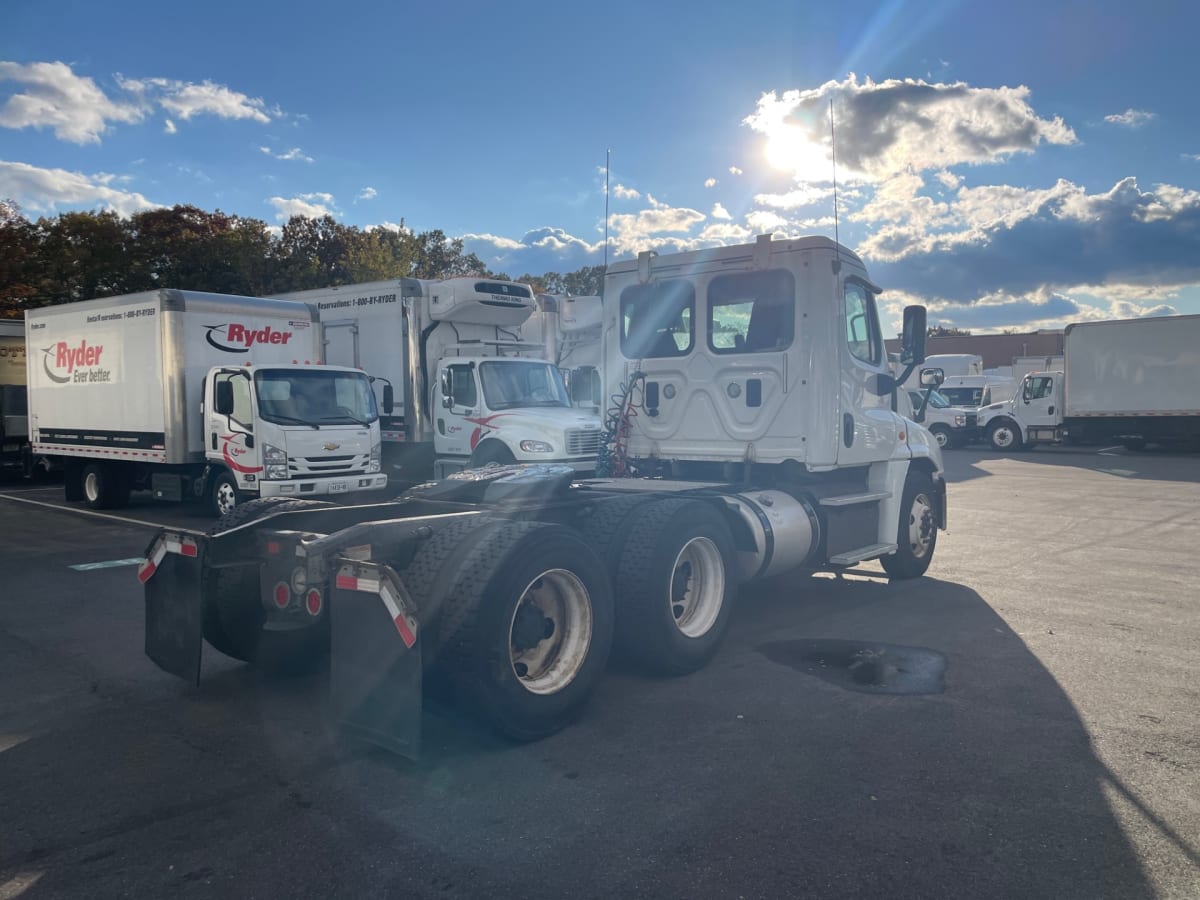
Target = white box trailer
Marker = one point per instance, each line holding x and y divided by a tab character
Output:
14	422
196	395
1133	381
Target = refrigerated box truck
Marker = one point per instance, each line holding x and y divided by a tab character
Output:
1131	381
196	396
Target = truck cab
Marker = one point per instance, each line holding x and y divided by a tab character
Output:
951	426
1033	415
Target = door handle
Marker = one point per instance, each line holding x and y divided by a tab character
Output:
214	440
848	429
1050	411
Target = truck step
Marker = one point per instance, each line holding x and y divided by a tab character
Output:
853	556
852	499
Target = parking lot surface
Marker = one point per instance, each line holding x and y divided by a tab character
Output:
1051	747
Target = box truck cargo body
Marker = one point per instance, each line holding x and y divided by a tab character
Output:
14	421
197	395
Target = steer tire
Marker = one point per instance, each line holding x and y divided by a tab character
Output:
942	435
656	627
480	622
912	558
233	614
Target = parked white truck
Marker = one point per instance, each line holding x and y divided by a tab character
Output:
473	390
1132	381
570	328
752	386
196	396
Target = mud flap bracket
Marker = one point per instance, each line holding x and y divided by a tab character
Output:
172	576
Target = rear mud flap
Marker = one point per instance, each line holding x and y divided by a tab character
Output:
174	603
375	658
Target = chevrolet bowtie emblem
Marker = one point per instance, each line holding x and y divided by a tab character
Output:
332	446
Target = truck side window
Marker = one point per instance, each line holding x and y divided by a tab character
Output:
242	411
752	313
862	325
658	320
462	384
1041	388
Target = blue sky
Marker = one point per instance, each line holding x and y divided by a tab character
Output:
1011	165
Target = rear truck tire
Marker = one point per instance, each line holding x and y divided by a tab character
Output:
1003	434
491	452
607	527
527	627
675	585
222	493
104	486
941	434
233	615
916	536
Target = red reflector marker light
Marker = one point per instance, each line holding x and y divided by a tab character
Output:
282	595
273	547
188	547
313	602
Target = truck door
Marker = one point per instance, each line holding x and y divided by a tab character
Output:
229	405
341	343
868	429
455	434
1041	401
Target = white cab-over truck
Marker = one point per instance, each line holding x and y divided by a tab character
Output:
754	429
473	391
570	328
196	396
1132	381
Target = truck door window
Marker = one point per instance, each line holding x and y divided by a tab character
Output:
240	385
862	324
1041	388
462	385
751	313
658	320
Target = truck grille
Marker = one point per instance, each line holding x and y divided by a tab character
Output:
318	466
972	420
583	441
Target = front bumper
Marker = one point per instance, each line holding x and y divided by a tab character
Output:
320	487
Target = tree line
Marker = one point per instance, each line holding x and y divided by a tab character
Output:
82	255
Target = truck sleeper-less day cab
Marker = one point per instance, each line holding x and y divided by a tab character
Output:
196	396
754	424
472	390
1132	381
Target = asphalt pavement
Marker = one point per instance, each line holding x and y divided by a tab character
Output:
1050	748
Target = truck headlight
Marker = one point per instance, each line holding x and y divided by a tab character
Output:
536	447
376	461
275	466
960	421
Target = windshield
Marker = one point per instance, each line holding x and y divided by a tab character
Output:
314	397
936	400
512	384
970	397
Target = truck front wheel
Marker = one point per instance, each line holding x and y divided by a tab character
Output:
1003	434
941	434
222	494
492	452
527	626
675	585
916	536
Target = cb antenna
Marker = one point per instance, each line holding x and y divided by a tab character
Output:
837	265
607	167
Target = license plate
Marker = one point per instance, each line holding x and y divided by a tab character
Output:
339	487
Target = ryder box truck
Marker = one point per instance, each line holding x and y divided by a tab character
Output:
196	396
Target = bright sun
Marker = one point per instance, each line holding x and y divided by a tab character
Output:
790	149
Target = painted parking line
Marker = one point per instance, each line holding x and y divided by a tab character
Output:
83	512
108	564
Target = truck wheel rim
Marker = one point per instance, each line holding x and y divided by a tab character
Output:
941	437
91	487
1003	436
697	587
557	608
920	526
226	497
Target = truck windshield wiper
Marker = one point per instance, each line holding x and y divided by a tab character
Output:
357	421
290	420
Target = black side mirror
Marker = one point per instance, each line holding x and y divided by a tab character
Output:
224	398
912	340
389	399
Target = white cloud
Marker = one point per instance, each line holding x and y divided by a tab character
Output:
55	97
1194	157
720	212
367	193
399	227
1131	118
169	126
763	221
46	190
186	99
802	196
630	231
625	193
314	206
734	170
898	126
295	154
538	251
710	182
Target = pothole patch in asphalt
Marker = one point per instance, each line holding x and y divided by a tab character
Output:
865	666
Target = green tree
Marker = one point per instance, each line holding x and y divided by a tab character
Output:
18	252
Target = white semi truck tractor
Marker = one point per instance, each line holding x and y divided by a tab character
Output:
195	396
752	432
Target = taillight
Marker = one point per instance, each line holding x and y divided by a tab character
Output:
313	602
283	596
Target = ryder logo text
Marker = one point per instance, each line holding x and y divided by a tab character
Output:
66	363
235	338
